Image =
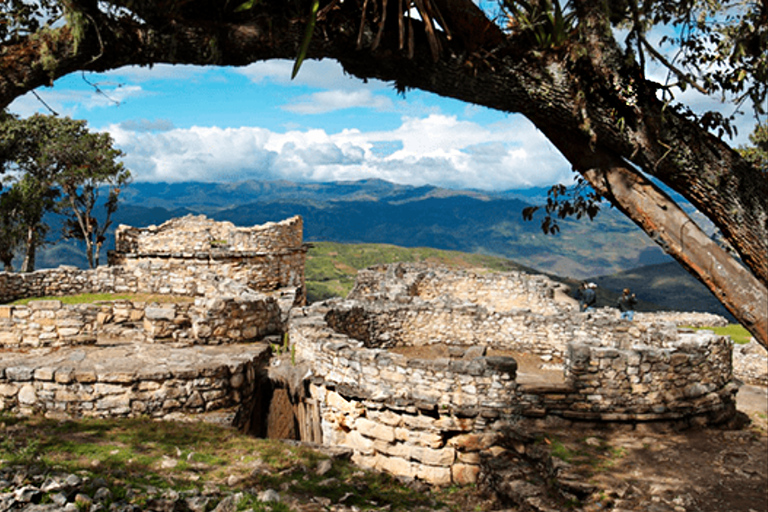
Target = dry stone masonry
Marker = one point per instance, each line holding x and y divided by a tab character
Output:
422	371
436	419
202	351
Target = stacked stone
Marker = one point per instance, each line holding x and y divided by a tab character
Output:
750	363
402	415
682	318
447	384
195	234
434	446
651	383
192	255
187	383
65	280
235	320
505	291
47	323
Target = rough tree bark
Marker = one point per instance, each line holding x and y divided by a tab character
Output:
598	109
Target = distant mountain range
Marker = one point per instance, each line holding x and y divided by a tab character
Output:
376	211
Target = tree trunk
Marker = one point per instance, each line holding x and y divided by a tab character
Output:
670	227
28	265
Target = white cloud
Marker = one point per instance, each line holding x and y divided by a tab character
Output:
319	74
438	150
330	101
72	102
158	72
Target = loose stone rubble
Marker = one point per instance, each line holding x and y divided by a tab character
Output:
68	492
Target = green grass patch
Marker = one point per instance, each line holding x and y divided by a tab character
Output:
331	267
143	454
737	332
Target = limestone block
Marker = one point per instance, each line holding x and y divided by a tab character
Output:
447	423
19	373
473	442
395	465
420	422
10	338
387	417
8	390
335	400
27	395
433	475
468	457
45	374
108	389
43	305
375	430
6	311
394	449
64	375
433	457
237	380
68	331
84	376
429	439
465	474
194	401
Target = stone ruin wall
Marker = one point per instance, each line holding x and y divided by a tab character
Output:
499	292
49	323
242	282
435	419
151	260
222	385
191	235
192	255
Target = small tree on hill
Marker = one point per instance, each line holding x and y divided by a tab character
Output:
58	165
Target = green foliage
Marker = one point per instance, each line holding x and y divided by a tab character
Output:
307	38
20	18
89	298
59	157
757	153
564	202
545	22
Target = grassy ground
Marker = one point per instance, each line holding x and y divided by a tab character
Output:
737	332
135	456
331	267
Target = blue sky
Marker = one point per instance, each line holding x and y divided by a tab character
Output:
186	123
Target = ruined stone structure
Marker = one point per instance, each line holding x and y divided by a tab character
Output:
202	352
421	370
435	418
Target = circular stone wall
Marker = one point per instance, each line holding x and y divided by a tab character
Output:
432	418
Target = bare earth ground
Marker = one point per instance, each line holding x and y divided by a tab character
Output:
656	469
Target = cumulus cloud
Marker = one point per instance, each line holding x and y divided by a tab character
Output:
158	72
437	149
71	102
318	74
146	125
330	101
